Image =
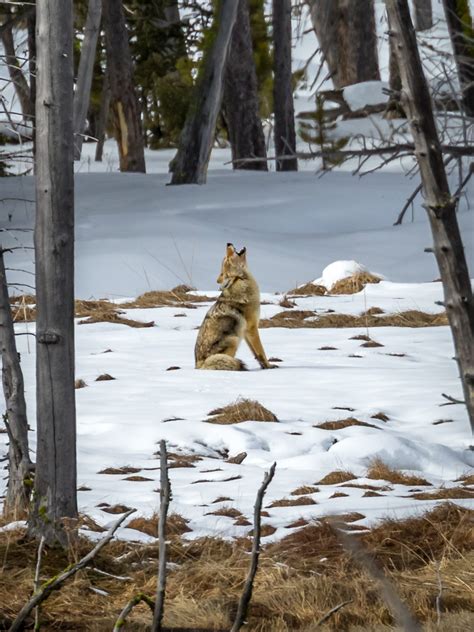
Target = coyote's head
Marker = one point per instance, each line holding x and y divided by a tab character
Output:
234	266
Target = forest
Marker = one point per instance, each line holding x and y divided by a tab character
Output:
236	315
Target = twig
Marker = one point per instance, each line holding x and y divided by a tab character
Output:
134	601
451	400
329	614
56	583
248	587
407	205
388	591
36	584
165	493
439	595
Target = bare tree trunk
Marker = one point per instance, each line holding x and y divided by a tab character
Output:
124	101
189	166
348	38
55	479
423	14
461	32
85	73
22	88
441	207
285	138
20	467
103	117
240	103
31	28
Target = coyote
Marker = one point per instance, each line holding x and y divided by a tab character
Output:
233	316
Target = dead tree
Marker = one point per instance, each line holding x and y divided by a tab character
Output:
15	71
20	467
440	204
240	102
189	166
348	39
55	478
461	33
85	73
284	132
123	98
423	14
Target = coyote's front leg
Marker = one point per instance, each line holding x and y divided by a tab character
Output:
252	338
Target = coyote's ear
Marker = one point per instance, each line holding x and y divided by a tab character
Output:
243	254
230	250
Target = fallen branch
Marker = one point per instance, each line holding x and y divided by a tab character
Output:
329	614
56	583
134	601
451	400
248	587
36	583
165	493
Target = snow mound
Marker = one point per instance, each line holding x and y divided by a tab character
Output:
360	95
339	270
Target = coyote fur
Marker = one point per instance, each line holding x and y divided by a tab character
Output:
234	316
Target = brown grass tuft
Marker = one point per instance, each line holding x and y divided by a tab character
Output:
241	410
179	296
343	423
339	495
354	283
373	311
293	502
305	489
380	471
136	478
114	509
126	469
372	343
266	529
444	493
228	512
113	317
79	384
336	477
308	289
380	416
104	377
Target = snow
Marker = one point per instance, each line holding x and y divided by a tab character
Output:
365	93
337	271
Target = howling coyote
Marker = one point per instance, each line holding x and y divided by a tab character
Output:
233	316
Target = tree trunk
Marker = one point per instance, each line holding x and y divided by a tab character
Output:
348	39
461	32
189	166
441	207
423	14
20	467
31	28
85	73
241	104
284	133
17	77
103	117
123	98
55	480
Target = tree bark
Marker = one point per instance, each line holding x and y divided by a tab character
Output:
423	14
284	133
85	73
348	39
20	467
55	480
191	161
440	205
123	98
103	117
461	32
17	77
31	28
241	103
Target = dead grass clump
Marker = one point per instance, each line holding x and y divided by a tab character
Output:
228	512
113	317
308	289
380	416
79	384
145	525
299	319
336	477
354	283
373	311
343	423
372	343
266	529
380	471
114	509
286	303
136	478
327	349
373	488
23	299
348	517
179	296
305	489
339	495
104	377
222	499
126	469
444	493
293	502
84	309
241	410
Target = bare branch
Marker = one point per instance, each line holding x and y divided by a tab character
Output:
134	601
329	614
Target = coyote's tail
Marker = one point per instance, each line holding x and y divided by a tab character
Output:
222	362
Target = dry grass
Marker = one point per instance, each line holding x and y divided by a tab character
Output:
380	417
354	283
308	289
380	471
126	469
179	296
104	377
444	493
239	411
467	479
305	489
295	319
343	423
336	477
293	502
299	579
114	317
79	383
228	512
